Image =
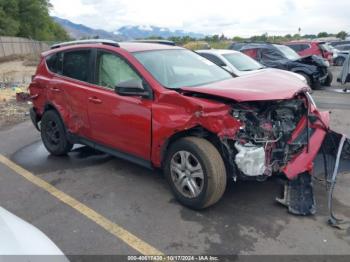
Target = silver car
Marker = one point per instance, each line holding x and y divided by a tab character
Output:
238	63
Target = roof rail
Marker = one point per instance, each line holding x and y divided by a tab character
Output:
88	41
154	41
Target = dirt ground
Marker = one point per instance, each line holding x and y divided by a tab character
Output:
15	77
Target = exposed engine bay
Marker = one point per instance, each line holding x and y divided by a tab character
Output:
263	141
283	137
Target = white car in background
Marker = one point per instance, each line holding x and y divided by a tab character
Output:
24	241
240	64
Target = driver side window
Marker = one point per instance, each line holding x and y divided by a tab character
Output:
112	69
269	55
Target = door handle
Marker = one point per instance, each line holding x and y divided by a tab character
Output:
95	100
55	89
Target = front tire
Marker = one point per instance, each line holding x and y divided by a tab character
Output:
53	134
195	172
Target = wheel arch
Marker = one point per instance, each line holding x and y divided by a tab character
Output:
49	106
196	131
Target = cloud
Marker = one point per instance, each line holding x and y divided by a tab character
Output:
244	18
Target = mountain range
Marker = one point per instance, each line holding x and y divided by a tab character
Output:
130	32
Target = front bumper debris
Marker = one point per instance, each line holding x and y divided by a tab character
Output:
336	152
298	194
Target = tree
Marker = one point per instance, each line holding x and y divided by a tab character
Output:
238	39
223	37
260	38
323	34
309	36
342	35
8	17
29	18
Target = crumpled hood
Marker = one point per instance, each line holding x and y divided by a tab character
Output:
312	60
265	85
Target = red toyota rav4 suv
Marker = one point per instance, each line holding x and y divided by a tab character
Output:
306	48
166	107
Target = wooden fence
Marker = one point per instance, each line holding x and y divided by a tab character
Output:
20	46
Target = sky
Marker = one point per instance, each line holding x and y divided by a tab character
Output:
230	17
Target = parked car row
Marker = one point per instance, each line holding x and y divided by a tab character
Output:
166	107
240	64
313	68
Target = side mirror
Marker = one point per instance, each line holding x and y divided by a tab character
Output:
131	87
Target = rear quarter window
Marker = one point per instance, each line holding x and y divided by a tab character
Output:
54	63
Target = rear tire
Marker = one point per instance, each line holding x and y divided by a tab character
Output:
195	172
53	134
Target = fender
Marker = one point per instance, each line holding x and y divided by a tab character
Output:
183	113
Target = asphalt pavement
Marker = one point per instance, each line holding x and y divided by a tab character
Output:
128	197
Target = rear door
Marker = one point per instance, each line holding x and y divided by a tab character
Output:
119	122
67	89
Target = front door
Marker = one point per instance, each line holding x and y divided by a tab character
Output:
119	122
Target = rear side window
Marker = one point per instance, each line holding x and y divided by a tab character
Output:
296	48
76	64
253	53
270	55
299	47
54	63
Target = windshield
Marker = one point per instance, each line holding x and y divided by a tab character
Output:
179	68
287	52
243	62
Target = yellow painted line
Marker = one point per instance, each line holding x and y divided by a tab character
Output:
116	230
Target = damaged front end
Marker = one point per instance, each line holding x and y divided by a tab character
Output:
320	67
281	138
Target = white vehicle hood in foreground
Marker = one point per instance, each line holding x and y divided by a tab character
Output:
18	237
